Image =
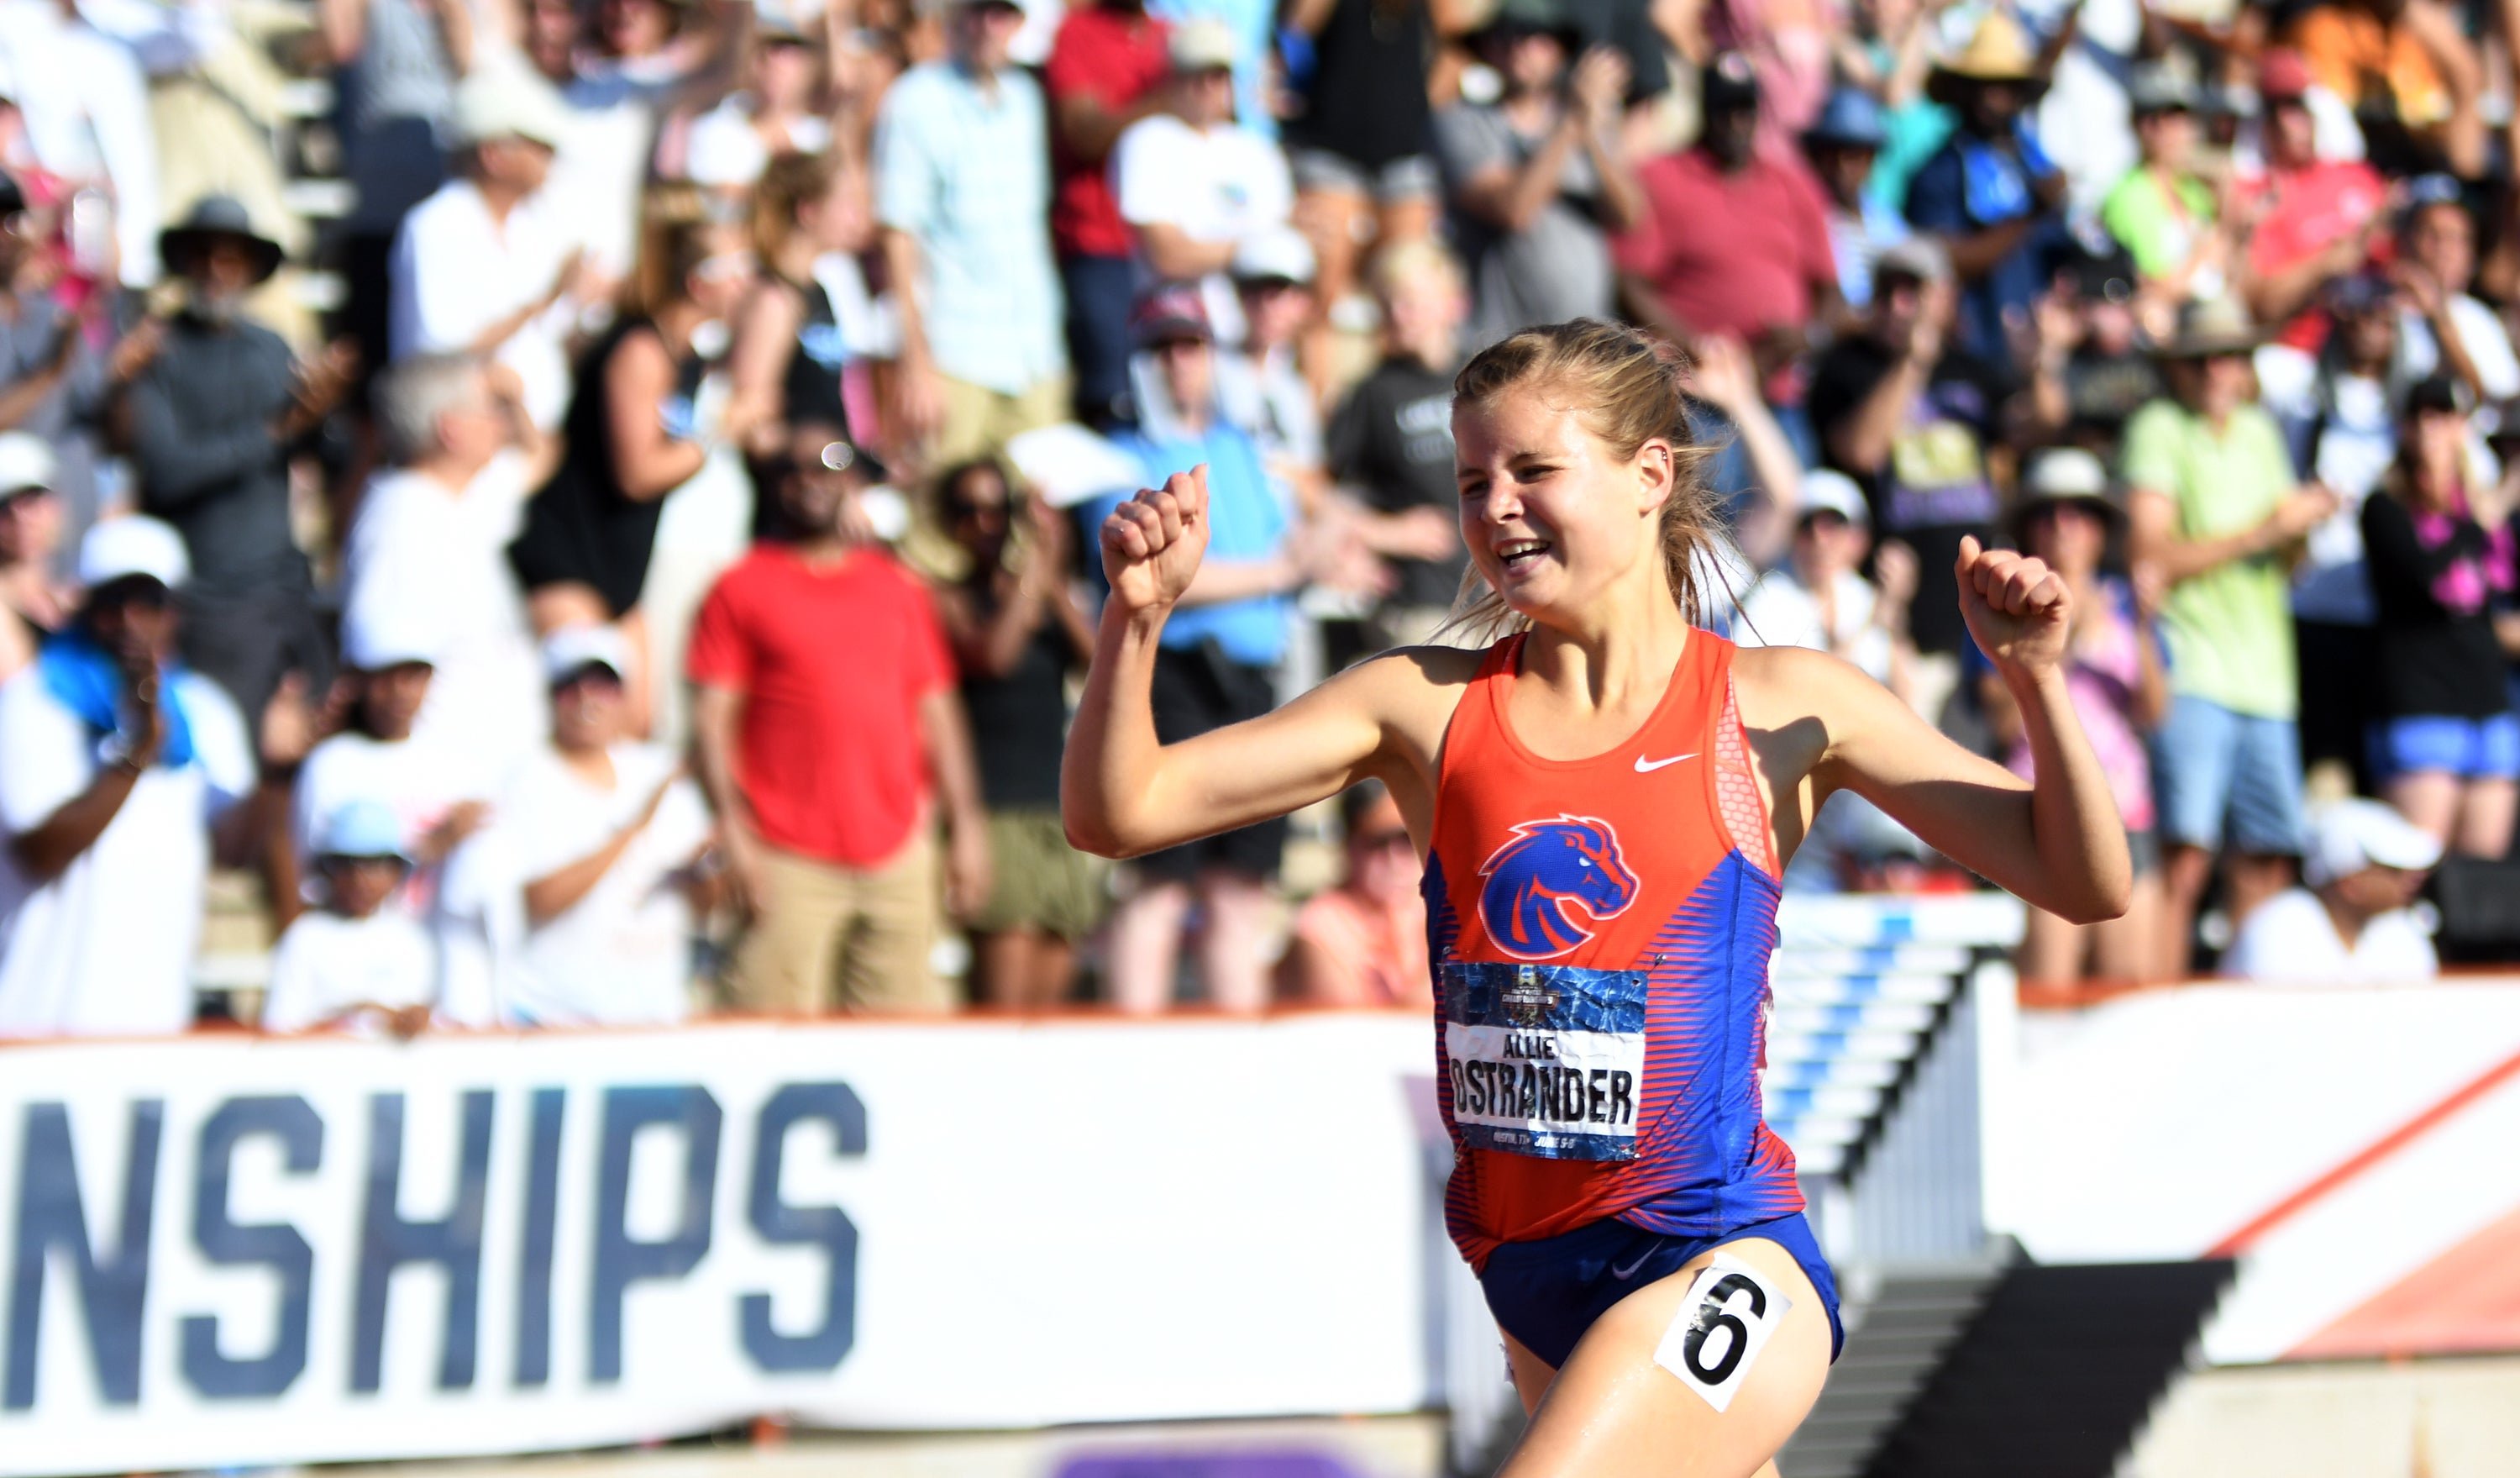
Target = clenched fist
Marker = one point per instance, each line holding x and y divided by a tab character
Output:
2017	607
1152	543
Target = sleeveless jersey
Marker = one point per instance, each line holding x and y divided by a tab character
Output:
1599	931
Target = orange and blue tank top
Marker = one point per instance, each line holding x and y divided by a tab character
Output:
1599	931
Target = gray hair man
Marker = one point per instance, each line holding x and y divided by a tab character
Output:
431	535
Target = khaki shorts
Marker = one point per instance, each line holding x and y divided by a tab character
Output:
831	938
1040	882
979	422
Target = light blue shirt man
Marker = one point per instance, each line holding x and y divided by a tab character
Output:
963	167
1246	520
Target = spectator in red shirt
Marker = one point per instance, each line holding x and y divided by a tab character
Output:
828	734
1733	242
2316	219
1106	71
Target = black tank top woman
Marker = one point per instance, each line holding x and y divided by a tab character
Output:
583	527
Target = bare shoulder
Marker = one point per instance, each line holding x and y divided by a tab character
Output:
1799	706
1406	697
1410	691
1777	686
1409	694
1427	671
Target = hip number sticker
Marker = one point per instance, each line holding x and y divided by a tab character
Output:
1724	1322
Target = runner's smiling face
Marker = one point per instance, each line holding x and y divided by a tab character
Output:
1555	521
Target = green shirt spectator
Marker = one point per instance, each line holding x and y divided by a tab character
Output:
2160	212
2229	628
2161	225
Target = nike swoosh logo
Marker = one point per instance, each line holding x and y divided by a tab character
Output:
1629	1271
1645	766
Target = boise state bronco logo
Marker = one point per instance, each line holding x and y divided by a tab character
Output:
1534	878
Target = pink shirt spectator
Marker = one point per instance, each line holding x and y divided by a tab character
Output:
2103	677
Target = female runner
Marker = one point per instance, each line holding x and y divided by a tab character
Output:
1605	798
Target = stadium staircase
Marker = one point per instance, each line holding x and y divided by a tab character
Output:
1874	1077
1888	1053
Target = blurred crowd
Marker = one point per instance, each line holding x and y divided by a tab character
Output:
549	513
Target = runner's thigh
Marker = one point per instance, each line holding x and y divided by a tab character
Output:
1614	1413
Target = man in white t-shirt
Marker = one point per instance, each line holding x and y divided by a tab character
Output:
1193	183
114	766
439	787
480	268
2352	924
1817	599
606	836
355	964
431	538
1260	387
2440	328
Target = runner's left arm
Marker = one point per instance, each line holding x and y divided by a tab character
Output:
2059	843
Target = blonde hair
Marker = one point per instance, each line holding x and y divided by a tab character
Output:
789	182
677	236
1626	387
1416	259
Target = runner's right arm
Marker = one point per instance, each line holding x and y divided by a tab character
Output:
1124	793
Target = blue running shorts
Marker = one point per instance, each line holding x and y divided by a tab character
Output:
2472	749
1547	1293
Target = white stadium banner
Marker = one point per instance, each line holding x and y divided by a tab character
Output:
235	1251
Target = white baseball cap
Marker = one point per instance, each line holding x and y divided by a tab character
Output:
507	102
26	461
571	650
2348	836
1202	43
135	544
2065	472
1828	491
380	635
1277	253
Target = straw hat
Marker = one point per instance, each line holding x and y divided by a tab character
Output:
2211	326
1999	51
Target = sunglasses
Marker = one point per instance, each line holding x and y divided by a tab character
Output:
1376	841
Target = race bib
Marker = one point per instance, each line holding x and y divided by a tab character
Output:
1545	1060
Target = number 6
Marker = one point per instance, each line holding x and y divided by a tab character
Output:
1711	1315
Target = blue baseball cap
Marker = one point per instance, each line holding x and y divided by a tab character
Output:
1848	120
363	828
